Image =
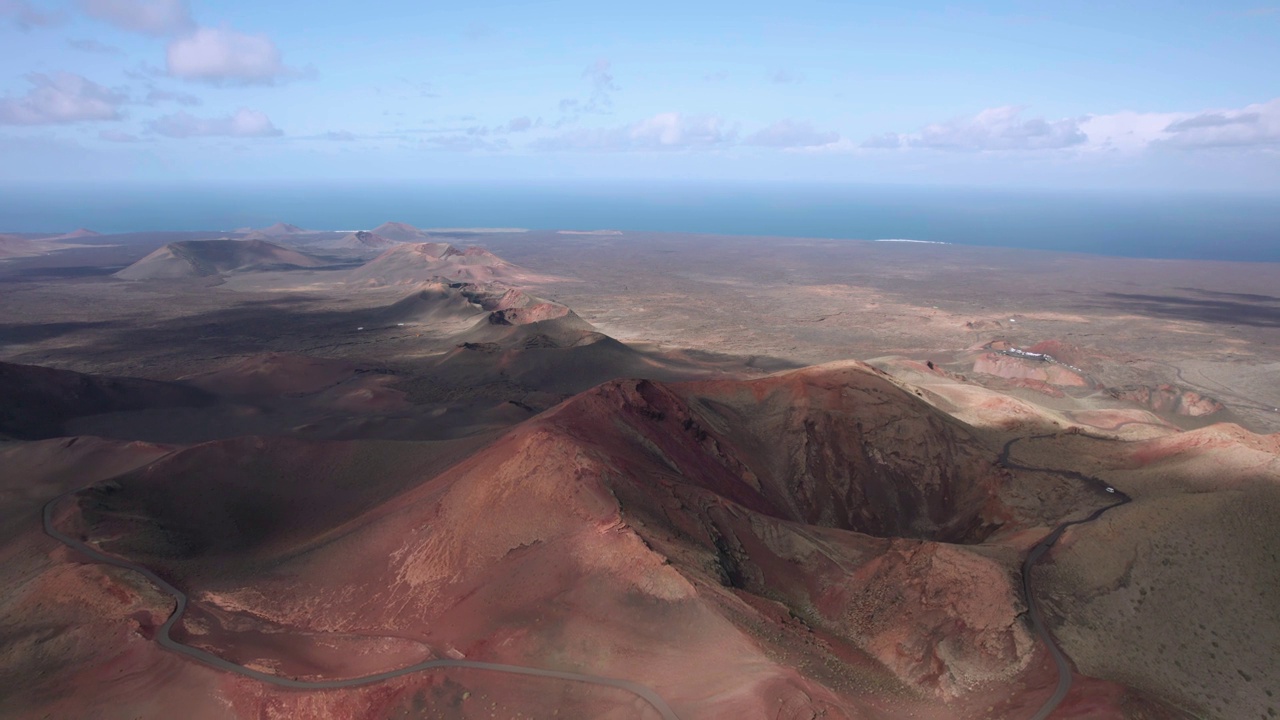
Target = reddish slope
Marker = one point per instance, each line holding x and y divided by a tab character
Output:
360	240
281	229
507	340
401	232
423	262
274	374
702	539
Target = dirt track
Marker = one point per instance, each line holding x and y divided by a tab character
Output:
166	641
1042	547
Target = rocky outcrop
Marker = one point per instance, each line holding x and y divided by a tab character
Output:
1064	352
1169	399
1006	366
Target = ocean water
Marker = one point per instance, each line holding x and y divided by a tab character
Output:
1216	227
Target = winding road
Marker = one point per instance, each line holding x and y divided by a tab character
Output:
1037	552
166	641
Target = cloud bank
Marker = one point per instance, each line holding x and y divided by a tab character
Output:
149	17
791	134
244	123
1004	129
26	16
664	131
1000	128
1252	126
93	46
62	98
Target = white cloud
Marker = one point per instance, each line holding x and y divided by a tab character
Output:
155	96
469	142
339	136
26	16
520	124
150	17
221	56
117	136
1252	126
1125	132
674	130
93	46
791	134
664	131
600	73
1255	126
61	98
243	123
883	141
999	128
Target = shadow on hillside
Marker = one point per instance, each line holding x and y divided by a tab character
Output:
19	333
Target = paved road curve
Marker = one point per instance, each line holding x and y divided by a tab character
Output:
648	695
167	642
1033	608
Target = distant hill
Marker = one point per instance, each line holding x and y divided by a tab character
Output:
281	230
76	234
401	232
204	258
361	240
414	263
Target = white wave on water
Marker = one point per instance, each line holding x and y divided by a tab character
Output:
926	242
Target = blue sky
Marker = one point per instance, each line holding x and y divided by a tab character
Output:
1137	95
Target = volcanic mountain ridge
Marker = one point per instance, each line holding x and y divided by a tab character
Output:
359	240
729	531
207	258
401	232
413	263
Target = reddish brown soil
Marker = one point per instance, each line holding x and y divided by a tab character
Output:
831	542
640	530
1169	399
274	374
401	232
1011	367
414	263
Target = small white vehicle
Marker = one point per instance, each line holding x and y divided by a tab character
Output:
1111	490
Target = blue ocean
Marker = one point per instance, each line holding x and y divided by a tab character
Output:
1214	227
